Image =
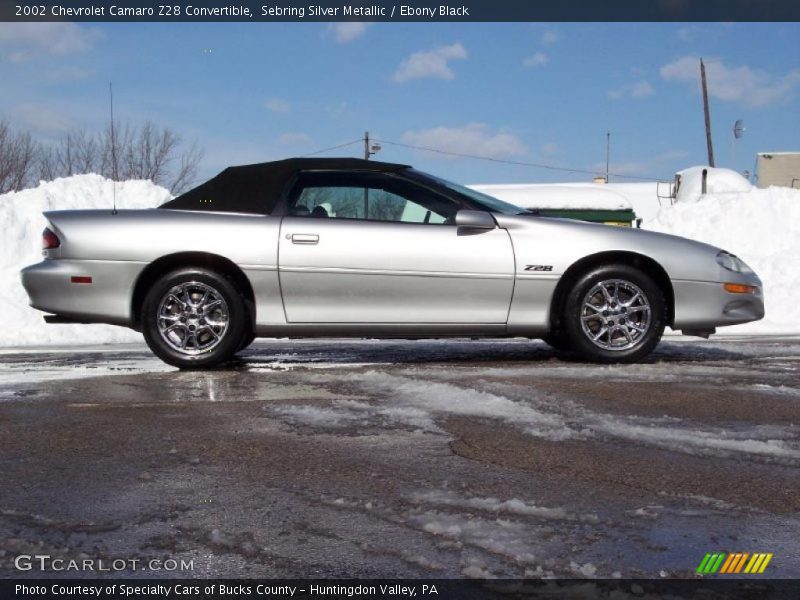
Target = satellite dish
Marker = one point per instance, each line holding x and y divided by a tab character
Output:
738	129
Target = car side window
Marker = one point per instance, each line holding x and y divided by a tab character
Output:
368	196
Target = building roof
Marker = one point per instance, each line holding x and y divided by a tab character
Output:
257	188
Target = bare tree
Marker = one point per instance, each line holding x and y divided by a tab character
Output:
145	152
47	164
77	152
186	171
113	145
85	152
150	152
18	156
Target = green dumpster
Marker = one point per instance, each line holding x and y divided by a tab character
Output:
622	217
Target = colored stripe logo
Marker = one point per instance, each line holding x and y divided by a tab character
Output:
734	563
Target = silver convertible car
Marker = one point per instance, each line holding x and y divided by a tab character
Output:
348	247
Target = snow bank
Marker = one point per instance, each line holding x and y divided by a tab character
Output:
642	197
22	223
557	196
718	181
761	226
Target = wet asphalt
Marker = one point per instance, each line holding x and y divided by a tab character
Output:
402	459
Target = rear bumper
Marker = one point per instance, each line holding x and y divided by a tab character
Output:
703	305
107	299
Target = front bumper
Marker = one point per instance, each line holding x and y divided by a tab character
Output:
701	305
107	299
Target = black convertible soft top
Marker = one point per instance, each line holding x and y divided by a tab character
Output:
257	188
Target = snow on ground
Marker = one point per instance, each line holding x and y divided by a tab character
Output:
14	373
512	506
22	223
417	403
507	539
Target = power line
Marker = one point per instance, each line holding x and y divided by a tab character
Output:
358	141
519	163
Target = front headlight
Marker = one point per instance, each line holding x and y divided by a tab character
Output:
732	262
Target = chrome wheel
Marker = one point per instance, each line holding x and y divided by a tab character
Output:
615	314
192	318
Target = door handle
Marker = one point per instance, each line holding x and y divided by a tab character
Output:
305	238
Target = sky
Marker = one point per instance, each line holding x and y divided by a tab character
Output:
524	92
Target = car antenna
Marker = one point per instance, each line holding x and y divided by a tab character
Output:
113	151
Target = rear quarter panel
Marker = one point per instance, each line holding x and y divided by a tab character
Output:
132	239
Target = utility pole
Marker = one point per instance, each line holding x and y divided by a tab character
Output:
369	150
706	113
608	152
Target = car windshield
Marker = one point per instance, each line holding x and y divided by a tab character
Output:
489	202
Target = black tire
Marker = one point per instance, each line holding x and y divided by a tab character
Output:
557	340
209	342
627	321
248	338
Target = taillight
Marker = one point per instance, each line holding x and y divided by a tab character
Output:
49	239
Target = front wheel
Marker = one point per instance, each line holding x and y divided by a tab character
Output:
248	338
193	318
614	314
557	340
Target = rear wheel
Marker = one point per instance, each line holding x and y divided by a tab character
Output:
614	314
194	318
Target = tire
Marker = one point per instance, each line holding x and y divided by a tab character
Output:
176	323
248	338
614	314
557	340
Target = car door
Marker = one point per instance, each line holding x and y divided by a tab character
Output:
363	247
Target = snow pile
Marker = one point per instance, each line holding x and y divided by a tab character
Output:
718	181
762	227
572	197
643	196
21	243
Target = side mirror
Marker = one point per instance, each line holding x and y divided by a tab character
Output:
475	219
